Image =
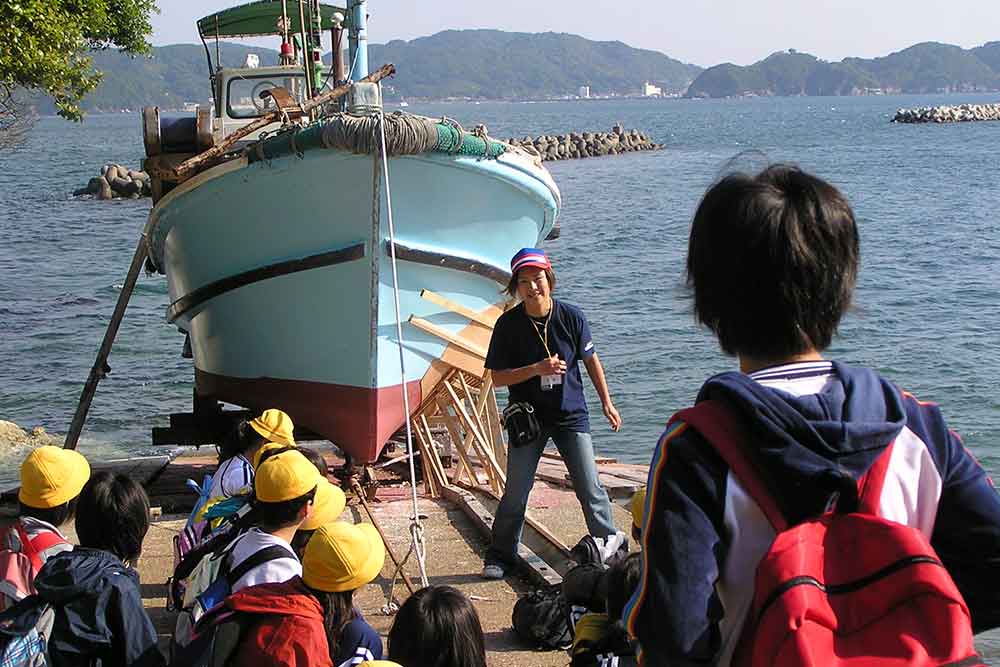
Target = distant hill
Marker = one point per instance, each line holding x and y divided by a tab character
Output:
497	65
923	68
455	63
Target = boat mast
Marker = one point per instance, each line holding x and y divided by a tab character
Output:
316	46
358	39
307	66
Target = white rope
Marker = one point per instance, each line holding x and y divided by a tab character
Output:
416	530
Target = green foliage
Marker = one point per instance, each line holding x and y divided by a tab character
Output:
922	68
45	44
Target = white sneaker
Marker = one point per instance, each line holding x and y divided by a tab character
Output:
493	571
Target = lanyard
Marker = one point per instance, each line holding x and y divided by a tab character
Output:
545	330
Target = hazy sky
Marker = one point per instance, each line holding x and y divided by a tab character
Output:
703	32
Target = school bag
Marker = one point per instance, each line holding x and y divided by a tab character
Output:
211	582
542	618
25	629
18	568
214	641
846	588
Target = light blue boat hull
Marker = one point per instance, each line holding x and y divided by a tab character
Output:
280	273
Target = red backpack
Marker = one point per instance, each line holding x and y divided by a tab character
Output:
18	568
841	589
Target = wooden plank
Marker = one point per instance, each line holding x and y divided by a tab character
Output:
446	335
430	485
458	308
539	571
538	526
456	438
485	454
442	476
499	446
556	456
478	405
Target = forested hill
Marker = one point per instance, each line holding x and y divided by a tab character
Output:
923	68
488	64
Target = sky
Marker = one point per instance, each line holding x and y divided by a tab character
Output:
702	32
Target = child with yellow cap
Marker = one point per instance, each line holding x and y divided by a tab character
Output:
51	481
339	559
237	454
285	490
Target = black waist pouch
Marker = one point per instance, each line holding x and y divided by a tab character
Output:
521	423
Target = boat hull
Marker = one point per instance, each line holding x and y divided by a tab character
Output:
280	273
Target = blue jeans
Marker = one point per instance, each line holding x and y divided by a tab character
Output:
577	451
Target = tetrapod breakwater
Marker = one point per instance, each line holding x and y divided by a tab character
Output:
573	145
116	182
962	113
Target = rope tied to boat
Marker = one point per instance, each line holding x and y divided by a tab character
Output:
417	543
401	134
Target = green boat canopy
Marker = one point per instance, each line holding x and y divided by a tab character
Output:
261	18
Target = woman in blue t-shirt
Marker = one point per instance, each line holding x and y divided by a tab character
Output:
534	351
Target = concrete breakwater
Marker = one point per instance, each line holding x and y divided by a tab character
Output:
962	113
116	182
586	144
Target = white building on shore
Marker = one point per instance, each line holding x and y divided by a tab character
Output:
583	92
649	90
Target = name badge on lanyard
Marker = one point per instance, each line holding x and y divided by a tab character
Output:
550	381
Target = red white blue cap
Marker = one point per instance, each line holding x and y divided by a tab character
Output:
529	257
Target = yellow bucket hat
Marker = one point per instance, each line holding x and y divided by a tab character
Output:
259	454
276	426
285	476
342	556
327	506
638	507
51	476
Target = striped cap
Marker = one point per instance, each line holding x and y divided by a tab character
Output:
526	257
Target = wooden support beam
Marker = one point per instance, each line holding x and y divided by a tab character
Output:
482	448
448	336
458	308
539	571
430	484
454	432
442	477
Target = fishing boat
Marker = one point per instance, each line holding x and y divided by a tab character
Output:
286	252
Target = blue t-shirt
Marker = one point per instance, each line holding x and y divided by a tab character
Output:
518	341
359	643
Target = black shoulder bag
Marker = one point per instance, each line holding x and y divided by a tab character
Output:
521	422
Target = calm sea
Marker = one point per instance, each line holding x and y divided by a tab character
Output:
927	305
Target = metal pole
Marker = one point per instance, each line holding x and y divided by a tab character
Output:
358	40
101	368
305	51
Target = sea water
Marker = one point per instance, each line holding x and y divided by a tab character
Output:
926	311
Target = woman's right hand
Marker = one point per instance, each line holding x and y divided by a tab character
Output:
551	366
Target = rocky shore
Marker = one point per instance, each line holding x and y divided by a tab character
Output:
13	436
586	144
948	114
117	182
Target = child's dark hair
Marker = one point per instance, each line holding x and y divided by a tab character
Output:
113	515
273	516
772	262
240	439
437	627
54	516
338	611
623	580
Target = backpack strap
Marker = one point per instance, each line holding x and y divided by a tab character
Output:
255	559
32	547
871	483
717	423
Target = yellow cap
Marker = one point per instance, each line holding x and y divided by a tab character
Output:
342	556
285	476
276	426
255	462
51	476
638	507
589	630
327	506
